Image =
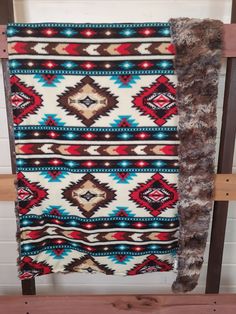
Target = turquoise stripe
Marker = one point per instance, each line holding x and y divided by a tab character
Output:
93	129
53	247
95	73
71	217
81	170
92	25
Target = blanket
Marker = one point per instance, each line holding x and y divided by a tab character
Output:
97	148
199	45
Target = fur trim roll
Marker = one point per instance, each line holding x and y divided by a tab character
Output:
198	45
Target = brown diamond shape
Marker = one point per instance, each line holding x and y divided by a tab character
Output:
88	194
88	264
87	100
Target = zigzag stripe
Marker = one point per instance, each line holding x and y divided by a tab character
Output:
96	150
28	235
90	228
90	49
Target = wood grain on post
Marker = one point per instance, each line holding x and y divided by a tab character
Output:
225	187
225	162
120	304
7	187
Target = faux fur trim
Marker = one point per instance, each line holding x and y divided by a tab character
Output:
198	45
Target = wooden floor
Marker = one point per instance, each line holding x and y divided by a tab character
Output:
99	304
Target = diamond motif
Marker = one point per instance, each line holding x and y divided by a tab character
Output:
89	195
49	80
58	253
88	264
123	177
120	259
157	100
29	194
51	120
55	210
30	268
124	122
160	100
156	195
121	212
54	175
125	81
24	100
87	100
149	265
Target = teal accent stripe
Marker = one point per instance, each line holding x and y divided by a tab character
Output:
91	25
53	247
94	129
81	170
71	217
95	73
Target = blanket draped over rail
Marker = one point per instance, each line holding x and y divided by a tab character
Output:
100	136
198	59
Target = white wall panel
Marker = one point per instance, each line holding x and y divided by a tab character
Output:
119	10
3	123
7	230
5	170
5	153
7	210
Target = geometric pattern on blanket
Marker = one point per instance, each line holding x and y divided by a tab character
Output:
95	124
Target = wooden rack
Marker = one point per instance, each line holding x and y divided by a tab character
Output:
225	190
225	187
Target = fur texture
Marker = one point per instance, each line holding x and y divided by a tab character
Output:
198	45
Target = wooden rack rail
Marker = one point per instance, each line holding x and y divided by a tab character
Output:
225	187
120	304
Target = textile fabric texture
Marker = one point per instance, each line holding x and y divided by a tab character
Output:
96	144
198	45
97	135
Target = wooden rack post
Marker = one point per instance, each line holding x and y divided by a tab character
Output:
225	165
7	16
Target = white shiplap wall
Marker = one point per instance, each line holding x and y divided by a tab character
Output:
106	11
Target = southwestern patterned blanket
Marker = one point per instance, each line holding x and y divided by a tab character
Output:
95	120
